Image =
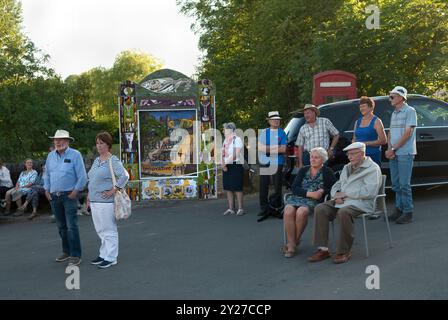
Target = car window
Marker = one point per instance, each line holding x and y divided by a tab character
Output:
292	129
342	115
383	110
430	112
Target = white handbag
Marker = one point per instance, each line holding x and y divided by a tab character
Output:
122	203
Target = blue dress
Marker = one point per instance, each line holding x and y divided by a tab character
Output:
369	133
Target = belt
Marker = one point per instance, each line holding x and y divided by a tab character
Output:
60	193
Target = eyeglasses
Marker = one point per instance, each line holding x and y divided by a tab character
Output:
392	97
352	154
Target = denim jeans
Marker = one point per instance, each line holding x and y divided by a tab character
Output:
401	173
65	212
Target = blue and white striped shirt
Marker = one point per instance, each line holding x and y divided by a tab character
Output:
100	178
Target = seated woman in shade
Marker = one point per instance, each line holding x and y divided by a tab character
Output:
310	187
23	187
5	180
37	190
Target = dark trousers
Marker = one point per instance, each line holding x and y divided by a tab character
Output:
264	188
3	192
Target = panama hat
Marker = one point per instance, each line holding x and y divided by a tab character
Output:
62	134
312	106
273	115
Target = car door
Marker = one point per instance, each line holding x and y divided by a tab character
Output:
432	140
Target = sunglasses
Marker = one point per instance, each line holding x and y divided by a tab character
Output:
392	97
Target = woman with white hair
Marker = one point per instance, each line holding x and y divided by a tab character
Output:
23	187
310	187
232	167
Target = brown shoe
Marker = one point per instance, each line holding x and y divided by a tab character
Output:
342	258
319	255
63	257
74	261
32	216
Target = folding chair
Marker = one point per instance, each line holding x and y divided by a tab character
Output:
379	208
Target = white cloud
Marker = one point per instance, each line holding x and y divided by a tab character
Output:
83	34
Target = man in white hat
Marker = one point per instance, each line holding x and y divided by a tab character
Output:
271	155
315	133
65	176
401	151
352	195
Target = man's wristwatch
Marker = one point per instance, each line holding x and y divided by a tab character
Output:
393	149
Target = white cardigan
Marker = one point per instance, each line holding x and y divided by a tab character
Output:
5	178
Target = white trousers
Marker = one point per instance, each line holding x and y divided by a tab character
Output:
106	227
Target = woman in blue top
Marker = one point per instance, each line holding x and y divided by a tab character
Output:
23	187
101	199
370	130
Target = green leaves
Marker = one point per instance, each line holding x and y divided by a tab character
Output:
263	54
34	102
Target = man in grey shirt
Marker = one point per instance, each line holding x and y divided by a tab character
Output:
401	152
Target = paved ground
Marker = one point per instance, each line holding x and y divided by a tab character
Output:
188	250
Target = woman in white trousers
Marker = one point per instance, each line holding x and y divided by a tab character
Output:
101	199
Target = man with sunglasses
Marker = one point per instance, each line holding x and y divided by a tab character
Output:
401	152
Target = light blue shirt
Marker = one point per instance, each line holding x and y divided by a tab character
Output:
100	178
26	178
65	172
404	118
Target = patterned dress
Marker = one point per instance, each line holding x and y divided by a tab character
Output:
310	184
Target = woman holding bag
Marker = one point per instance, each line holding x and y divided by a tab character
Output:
101	199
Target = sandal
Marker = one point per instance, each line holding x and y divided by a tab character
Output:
228	212
287	253
290	253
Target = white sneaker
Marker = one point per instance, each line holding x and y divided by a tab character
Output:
240	212
228	211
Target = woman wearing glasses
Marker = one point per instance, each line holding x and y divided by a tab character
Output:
369	129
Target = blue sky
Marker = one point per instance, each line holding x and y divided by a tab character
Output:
83	34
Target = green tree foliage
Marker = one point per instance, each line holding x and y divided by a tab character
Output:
92	95
31	96
262	54
128	65
20	60
29	113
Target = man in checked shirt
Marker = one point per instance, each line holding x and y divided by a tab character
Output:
316	132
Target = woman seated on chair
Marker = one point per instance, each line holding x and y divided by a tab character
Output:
310	187
23	187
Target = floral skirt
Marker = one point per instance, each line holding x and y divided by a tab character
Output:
298	201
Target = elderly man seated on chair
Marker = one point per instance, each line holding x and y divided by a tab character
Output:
352	195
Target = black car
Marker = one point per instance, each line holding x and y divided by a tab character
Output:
431	161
